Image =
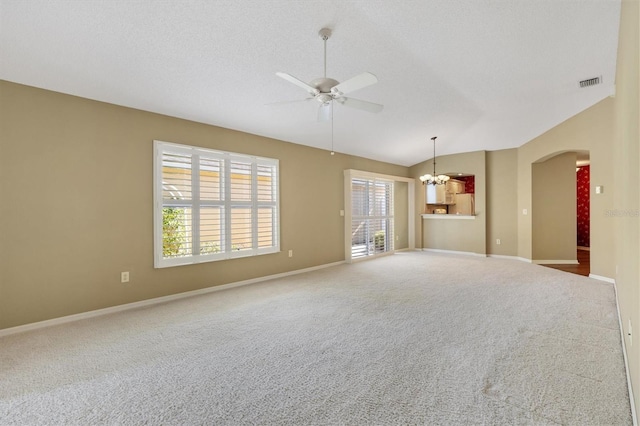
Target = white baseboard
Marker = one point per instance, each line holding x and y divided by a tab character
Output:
467	253
555	262
634	415
501	256
601	278
154	301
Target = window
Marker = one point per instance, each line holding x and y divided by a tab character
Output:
371	217
213	205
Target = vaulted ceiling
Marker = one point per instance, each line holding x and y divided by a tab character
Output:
479	74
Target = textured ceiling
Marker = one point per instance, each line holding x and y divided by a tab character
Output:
479	74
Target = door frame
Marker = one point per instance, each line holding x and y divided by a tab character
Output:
349	174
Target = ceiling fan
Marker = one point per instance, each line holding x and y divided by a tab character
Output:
326	90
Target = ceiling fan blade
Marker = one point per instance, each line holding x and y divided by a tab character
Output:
291	79
324	112
360	104
355	83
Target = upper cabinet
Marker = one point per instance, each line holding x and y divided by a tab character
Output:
438	194
455	186
444	194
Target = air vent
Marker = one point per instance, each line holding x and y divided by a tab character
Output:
590	82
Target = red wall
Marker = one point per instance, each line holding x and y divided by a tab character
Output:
469	183
582	182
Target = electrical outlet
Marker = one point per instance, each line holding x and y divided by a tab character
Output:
290	253
341	212
525	212
630	334
498	241
124	277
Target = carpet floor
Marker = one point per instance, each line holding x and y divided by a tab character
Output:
413	338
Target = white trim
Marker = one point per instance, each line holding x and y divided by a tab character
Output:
467	253
373	175
154	301
634	415
601	278
501	256
447	216
555	262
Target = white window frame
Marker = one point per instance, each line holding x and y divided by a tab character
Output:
159	148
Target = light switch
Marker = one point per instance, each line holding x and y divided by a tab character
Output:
599	189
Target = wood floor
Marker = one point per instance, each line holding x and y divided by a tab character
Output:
583	267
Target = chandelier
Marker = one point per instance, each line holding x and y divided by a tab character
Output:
434	179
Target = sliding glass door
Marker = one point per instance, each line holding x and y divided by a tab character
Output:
371	217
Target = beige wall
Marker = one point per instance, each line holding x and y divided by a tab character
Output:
453	234
592	131
401	215
76	185
553	208
502	206
626	195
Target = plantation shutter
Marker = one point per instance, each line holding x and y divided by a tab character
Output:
241	193
371	217
267	203
213	205
177	206
212	212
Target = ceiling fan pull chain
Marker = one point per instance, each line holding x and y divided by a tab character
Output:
332	152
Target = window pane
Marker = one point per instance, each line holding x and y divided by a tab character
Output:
266	187
211	181
241	228
176	177
176	232
211	230
240	181
265	227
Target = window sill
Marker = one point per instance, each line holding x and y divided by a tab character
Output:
447	216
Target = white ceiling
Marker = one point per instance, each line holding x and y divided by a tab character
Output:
479	74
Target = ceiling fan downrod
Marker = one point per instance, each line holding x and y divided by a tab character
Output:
324	34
